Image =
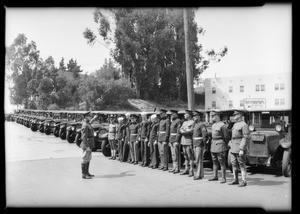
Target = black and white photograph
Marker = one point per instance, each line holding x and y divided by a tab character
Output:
148	107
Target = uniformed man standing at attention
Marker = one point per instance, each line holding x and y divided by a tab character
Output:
218	147
239	142
112	136
174	141
126	148
121	134
87	144
143	137
153	144
163	138
186	130
133	137
199	139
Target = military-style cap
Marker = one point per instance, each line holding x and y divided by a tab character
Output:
215	112
238	111
197	113
162	110
134	116
89	113
111	116
190	112
173	111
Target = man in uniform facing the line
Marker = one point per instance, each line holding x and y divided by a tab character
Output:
199	139
87	144
186	130
239	142
174	141
218	147
163	138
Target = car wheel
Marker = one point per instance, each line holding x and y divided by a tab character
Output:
48	131
56	133
105	148
70	139
287	162
77	140
62	134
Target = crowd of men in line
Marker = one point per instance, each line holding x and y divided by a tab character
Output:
152	138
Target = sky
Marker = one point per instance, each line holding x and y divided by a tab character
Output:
259	39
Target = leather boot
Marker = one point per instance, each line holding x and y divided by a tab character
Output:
235	178
223	179
83	169
215	169
87	169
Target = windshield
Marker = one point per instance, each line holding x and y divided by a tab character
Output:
269	119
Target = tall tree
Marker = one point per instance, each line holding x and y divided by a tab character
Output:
62	64
74	68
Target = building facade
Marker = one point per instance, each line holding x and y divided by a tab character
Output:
250	92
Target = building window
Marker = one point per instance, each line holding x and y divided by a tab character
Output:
213	90
276	87
213	104
262	87
257	88
282	86
276	102
241	103
230	104
282	102
241	88
230	89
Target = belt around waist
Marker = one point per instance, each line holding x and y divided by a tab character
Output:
234	138
197	138
218	138
173	133
162	132
134	134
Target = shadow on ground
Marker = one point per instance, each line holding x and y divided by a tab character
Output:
119	175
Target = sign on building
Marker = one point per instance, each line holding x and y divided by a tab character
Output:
255	103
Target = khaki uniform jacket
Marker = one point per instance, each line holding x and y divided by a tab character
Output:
219	133
153	136
134	131
144	130
87	136
199	134
240	137
186	131
175	135
164	130
112	131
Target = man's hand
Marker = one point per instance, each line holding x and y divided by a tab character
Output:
241	153
146	140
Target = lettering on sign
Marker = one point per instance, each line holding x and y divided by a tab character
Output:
254	103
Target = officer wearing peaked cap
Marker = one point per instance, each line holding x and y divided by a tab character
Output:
218	147
87	143
186	130
163	138
174	141
199	139
239	142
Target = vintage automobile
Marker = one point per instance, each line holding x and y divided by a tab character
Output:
269	140
75	118
34	126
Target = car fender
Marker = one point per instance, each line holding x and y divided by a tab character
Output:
285	143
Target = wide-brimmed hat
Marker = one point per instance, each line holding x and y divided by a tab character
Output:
88	113
195	113
239	111
215	112
190	112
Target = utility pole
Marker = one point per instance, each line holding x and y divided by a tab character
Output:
189	74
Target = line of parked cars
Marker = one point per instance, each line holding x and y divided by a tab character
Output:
269	141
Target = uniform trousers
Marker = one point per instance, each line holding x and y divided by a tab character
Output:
237	160
219	157
120	149
145	152
87	156
175	151
126	149
112	144
188	157
163	148
136	150
154	154
131	151
199	152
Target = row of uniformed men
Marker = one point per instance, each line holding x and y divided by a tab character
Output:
156	136
151	140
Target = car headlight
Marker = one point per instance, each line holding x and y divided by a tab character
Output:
251	128
278	128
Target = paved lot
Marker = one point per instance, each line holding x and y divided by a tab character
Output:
43	170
